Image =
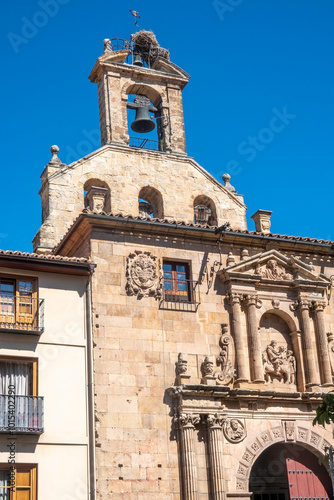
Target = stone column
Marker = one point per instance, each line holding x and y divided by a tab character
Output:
310	368
186	423
296	339
215	423
239	340
326	371
251	302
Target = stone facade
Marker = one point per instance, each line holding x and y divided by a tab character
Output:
210	344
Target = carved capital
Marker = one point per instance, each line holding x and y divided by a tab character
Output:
215	421
234	298
304	304
187	420
318	306
252	300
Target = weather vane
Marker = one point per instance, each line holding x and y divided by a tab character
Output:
136	16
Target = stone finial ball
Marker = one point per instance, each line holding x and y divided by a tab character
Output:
54	149
226	178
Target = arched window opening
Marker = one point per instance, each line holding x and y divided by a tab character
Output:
278	357
97	196
205	211
150	203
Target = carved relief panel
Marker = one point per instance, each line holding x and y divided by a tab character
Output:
144	278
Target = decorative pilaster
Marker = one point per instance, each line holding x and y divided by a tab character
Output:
186	423
252	302
310	367
215	424
325	367
239	339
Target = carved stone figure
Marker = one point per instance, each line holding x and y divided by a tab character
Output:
143	275
234	430
279	364
274	271
227	373
106	45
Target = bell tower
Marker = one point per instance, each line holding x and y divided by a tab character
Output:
140	67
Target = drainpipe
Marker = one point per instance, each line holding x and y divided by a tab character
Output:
90	389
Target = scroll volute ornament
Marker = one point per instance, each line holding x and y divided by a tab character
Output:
224	360
144	277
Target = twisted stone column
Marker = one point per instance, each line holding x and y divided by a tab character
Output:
186	423
239	339
252	302
310	367
325	366
215	423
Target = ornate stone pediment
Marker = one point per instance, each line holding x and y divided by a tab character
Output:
272	267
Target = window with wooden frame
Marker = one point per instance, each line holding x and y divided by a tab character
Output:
18	302
177	283
21	410
18	482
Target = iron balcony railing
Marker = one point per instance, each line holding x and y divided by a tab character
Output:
180	294
21	414
21	313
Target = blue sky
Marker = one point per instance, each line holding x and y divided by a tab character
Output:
259	103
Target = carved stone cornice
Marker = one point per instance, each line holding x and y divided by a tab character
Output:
187	420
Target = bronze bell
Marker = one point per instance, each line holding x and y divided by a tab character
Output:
143	123
138	61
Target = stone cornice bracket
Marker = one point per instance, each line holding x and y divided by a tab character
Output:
215	421
186	420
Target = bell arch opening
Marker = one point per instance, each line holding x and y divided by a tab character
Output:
289	471
146	118
97	195
150	203
205	210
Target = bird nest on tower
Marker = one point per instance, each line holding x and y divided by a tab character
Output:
147	46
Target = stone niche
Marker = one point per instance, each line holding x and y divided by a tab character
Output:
279	362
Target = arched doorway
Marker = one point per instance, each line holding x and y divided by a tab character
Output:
289	472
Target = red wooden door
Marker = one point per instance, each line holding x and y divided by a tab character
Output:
308	480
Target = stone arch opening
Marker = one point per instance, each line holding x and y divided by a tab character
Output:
150	203
147	120
278	355
205	210
97	195
285	471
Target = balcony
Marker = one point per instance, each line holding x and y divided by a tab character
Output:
21	414
180	295
21	314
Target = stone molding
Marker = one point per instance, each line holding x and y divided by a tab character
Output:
300	433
